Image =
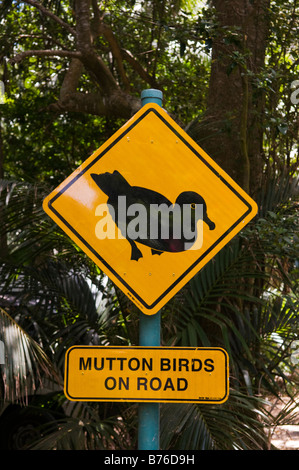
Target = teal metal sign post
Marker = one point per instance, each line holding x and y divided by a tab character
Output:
149	335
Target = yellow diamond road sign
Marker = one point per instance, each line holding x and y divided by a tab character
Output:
115	205
143	374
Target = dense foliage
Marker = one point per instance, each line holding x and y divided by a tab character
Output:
73	73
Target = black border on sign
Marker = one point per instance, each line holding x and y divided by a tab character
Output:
143	400
100	258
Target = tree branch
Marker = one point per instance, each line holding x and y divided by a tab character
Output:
91	103
44	53
90	59
119	104
116	52
111	100
100	28
138	68
71	79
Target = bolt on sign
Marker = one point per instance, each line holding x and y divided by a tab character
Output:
144	374
150	208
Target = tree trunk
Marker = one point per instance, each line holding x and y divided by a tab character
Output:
231	131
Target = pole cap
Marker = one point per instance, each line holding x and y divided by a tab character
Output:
151	96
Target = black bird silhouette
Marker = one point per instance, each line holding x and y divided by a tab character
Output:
169	235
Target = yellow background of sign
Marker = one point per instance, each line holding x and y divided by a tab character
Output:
150	155
211	386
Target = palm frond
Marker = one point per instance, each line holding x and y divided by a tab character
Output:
26	364
31	236
234	425
276	192
88	432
